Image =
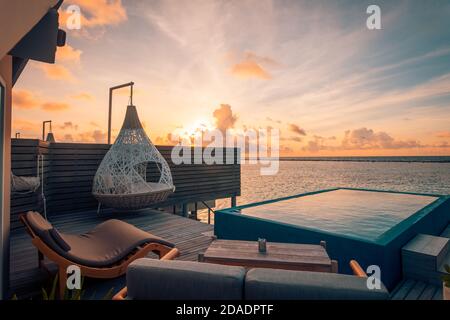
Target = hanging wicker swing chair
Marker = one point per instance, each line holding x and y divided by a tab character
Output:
121	179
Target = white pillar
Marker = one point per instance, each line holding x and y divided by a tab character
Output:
5	169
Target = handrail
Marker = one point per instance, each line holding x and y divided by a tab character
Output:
209	211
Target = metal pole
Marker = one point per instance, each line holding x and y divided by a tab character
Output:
129	84
43	128
233	201
109	115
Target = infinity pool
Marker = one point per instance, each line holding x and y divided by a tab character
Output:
367	225
363	214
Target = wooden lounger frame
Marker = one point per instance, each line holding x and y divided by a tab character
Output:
357	270
113	271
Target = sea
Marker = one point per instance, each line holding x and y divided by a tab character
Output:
428	174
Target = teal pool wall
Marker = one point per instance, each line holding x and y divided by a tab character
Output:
384	252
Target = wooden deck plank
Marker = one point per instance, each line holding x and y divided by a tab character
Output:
438	294
429	292
404	289
416	291
190	236
410	289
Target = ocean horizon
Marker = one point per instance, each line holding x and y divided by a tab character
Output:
441	159
427	174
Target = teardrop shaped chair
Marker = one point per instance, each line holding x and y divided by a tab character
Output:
121	179
104	252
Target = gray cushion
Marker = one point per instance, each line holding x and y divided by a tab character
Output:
150	279
270	284
105	245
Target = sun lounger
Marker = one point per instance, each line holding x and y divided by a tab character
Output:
104	252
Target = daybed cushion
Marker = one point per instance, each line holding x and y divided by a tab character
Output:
270	284
105	245
150	279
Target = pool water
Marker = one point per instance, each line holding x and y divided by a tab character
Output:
358	213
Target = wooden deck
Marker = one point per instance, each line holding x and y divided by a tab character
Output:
410	289
27	280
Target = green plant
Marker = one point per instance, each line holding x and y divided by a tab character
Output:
69	294
78	294
446	277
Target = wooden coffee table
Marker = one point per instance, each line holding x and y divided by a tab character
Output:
288	256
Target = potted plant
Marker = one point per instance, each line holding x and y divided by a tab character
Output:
446	283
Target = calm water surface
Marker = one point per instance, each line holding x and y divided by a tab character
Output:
296	177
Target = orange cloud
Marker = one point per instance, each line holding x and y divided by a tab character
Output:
225	118
24	126
68	54
83	96
69	125
253	66
364	138
98	13
443	134
96	136
55	106
57	72
296	129
249	69
24	99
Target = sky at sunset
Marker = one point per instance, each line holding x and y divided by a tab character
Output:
312	69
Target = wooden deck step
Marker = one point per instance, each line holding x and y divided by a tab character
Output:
423	257
410	289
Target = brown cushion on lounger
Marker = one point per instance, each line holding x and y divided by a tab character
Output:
59	240
44	230
105	245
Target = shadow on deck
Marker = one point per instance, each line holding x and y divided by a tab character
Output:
191	237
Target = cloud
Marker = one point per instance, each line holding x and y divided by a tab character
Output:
24	126
249	69
273	120
296	139
83	96
364	138
24	99
98	13
55	106
224	117
67	138
296	129
443	134
57	72
69	125
99	136
68	54
90	136
316	145
165	141
253	66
